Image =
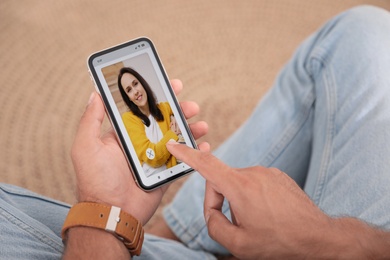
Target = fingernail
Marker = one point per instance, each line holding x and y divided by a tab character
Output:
207	216
91	97
172	142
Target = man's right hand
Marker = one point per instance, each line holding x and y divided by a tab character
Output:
271	216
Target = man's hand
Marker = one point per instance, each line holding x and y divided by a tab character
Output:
272	217
102	172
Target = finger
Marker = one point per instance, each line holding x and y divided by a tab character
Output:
177	86
204	147
221	229
234	219
108	132
212	200
109	136
211	168
199	129
91	121
190	108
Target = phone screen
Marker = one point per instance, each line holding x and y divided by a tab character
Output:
143	110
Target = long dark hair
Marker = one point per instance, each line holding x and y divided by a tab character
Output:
152	102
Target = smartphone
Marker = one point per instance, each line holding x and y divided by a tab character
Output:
143	110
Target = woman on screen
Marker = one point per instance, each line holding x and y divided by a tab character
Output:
148	123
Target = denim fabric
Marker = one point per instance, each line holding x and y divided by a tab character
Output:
30	225
30	228
325	123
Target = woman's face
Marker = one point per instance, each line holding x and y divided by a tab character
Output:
134	90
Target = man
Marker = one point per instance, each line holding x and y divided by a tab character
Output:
324	123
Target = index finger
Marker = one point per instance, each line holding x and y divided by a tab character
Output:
209	166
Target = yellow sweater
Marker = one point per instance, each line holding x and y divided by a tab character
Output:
136	130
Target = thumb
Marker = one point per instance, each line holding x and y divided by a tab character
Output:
90	124
92	119
220	228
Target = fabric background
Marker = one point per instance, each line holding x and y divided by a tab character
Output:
227	53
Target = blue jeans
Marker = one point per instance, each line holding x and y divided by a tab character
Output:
325	122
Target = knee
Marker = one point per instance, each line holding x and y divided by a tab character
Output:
366	11
366	22
359	34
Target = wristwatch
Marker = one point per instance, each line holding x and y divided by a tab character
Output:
110	218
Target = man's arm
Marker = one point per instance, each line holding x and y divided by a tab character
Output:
94	244
103	176
273	218
359	240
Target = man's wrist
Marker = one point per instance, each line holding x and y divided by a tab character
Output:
348	238
110	219
92	243
363	240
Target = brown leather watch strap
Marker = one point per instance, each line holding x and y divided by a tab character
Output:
109	218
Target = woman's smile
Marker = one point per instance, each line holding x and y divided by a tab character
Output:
139	97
